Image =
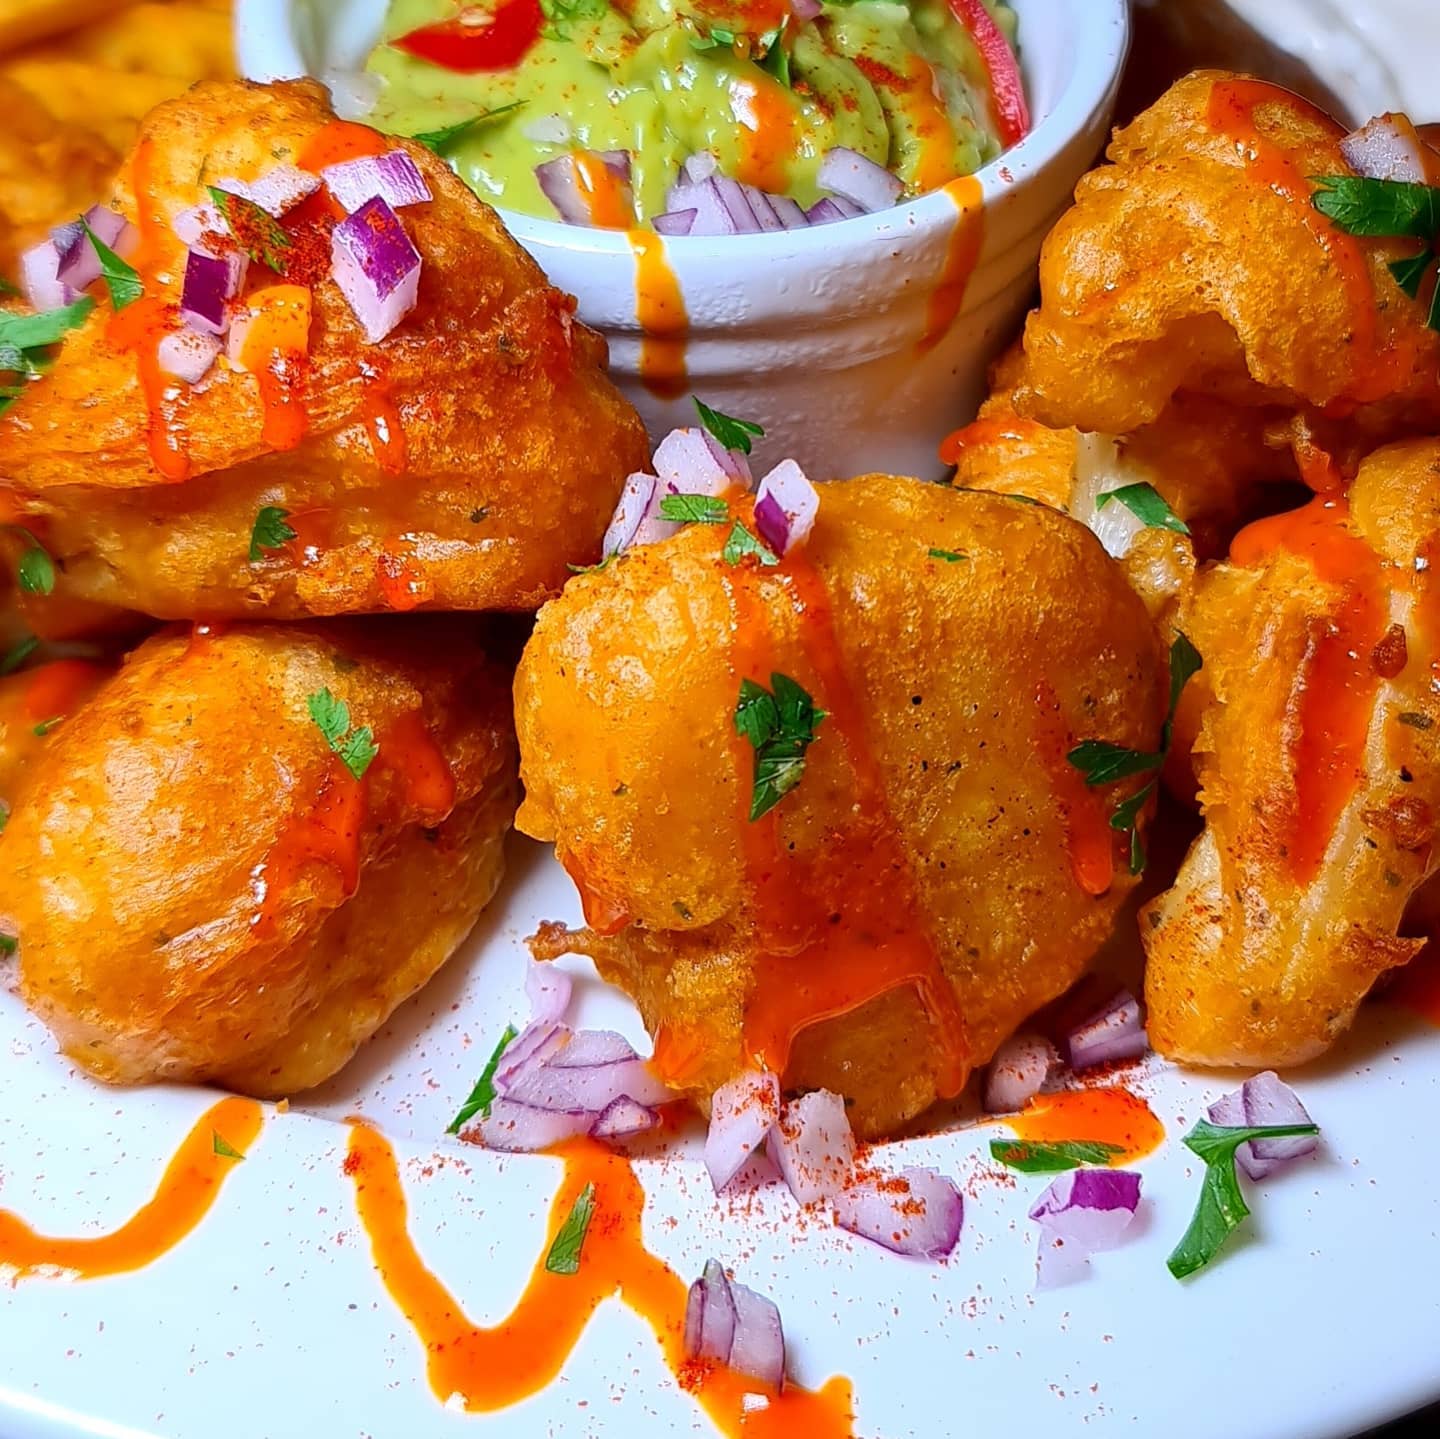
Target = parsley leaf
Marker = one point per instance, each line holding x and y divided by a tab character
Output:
356	748
1049	1158
483	1095
776	58
1185	664
45	726
780	725
1222	1206
34	332
1147	504
18	655
732	434
8	945
269	531
950	557
694	509
254	229
36	571
222	1147
714	39
441	140
1103	763
740	543
561	13
121	279
564	1255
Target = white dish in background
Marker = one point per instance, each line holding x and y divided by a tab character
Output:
814	333
269	1322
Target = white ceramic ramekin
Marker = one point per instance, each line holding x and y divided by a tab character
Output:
819	335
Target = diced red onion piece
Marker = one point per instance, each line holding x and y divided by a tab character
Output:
188	354
535	1044
520	1129
717	1315
1115	1033
548	989
731	1325
594	1087
915	1212
1082	1212
785	507
763	209
831	208
68	239
1018	1072
789	212
857	178
376	266
637	519
700	166
712	217
79	260
209	285
687	465
733	462
674	222
742	1112
279	189
622	1118
804	10
812	1146
588	1047
40	281
393	176
548	130
1264	1100
1383	150
193	225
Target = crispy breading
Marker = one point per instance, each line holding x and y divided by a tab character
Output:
461	463
200	888
1319	774
936	806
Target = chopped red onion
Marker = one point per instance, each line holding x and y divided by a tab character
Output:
1382	150
788	212
548	130
729	1324
688	466
674	222
733	462
549	990
40	280
915	1212
1018	1072
785	507
592	1087
804	10
188	354
278	190
210	283
623	1118
742	1112
1114	1033
700	166
857	178
537	1043
1082	1212
393	176
590	1047
812	1146
376	266
193	225
79	259
559	181
1264	1100
712	215
520	1129
831	208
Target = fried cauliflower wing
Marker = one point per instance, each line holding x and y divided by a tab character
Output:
460	463
1318	770
940	869
203	890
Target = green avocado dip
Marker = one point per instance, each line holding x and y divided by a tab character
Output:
927	89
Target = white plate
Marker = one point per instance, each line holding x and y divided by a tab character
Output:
268	1321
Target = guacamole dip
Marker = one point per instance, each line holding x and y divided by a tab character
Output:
926	89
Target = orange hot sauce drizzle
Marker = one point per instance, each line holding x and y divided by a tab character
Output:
988	430
766	117
402	586
339	141
1088	836
1328	715
841	926
496	1367
384	427
55	689
409	749
190	1185
660	310
931	125
1107	1116
966	239
603	193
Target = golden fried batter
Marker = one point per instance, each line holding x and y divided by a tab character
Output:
940	870
201	888
1318	768
461	463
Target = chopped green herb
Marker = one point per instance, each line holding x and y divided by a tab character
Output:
1222	1206
483	1095
269	532
18	655
254	229
34	332
714	39
591	569
564	1255
1147	504
121	279
740	542
45	726
780	725
356	748
561	13
950	557
36	572
1051	1158
694	509
8	945
1103	763
732	434
775	58
224	1149
440	141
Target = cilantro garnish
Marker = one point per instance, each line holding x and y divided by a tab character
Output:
45	726
775	58
780	727
561	13
1050	1158
17	656
1147	504
269	531
222	1148
591	569
716	37
564	1255
740	543
483	1095
122	280
21	336
441	140
8	945
356	748
254	229
694	509
1222	1206
35	573
951	557
1387	209
732	434
1104	763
